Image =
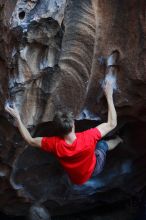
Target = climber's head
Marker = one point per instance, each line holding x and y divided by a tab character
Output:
64	122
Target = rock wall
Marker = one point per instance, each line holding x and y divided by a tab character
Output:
53	54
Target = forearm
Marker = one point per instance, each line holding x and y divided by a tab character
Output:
24	132
112	114
111	123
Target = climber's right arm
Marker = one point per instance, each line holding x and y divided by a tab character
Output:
36	142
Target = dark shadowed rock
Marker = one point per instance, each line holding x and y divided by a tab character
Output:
38	213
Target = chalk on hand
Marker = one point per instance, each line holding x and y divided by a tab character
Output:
111	78
9	103
113	58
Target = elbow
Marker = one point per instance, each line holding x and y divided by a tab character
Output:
31	142
113	125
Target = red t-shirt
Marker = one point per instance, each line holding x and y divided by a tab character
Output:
78	159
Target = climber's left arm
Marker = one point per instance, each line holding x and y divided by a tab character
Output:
111	123
36	142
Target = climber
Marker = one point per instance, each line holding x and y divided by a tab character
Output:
82	155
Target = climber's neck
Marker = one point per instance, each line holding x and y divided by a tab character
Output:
70	138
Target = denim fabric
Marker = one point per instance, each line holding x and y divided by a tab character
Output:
102	145
100	152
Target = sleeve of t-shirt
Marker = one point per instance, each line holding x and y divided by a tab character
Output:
48	144
94	133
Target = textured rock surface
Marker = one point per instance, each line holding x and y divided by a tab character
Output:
72	35
53	54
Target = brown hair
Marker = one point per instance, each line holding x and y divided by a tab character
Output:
63	122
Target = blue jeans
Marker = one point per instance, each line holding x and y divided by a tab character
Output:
100	152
